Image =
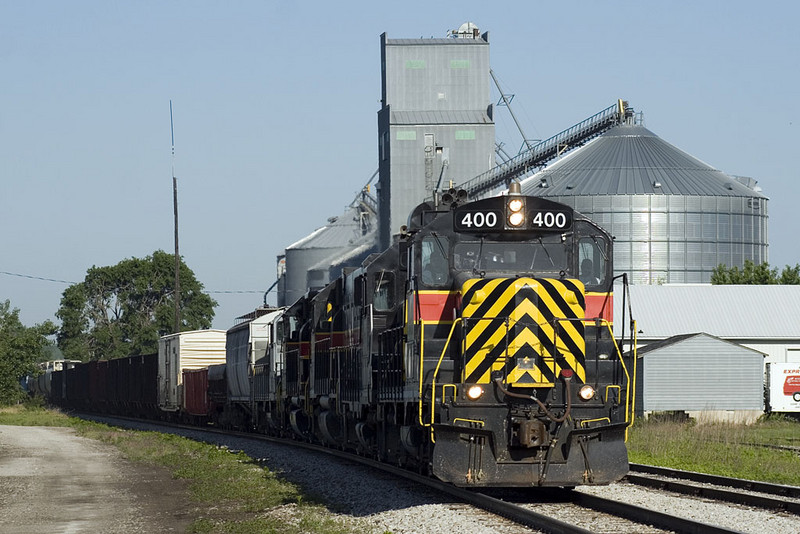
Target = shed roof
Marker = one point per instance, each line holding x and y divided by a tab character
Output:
733	312
674	340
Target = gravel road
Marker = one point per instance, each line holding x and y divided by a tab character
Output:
54	481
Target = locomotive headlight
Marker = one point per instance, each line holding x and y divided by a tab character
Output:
516	215
516	219
474	392
515	205
586	392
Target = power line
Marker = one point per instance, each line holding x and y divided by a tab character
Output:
259	291
253	291
38	278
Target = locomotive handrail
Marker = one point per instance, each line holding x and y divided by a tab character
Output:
433	380
629	402
635	336
422	373
629	383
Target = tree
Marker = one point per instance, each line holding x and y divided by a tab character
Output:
790	275
122	310
20	348
752	274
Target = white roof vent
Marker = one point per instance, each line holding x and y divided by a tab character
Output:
468	30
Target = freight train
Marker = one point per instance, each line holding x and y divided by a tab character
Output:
478	349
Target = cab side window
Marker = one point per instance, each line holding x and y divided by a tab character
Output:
592	261
383	296
358	291
435	261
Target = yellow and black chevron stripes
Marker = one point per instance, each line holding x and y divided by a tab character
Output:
527	328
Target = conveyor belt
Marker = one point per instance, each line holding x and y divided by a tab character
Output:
541	153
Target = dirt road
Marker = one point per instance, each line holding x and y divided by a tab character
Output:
54	481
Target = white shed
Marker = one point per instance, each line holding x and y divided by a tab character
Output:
764	318
703	375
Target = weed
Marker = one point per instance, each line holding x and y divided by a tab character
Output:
720	448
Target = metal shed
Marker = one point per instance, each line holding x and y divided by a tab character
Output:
700	374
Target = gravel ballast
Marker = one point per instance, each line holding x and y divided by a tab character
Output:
388	504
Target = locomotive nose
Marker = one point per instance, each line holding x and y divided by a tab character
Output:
528	329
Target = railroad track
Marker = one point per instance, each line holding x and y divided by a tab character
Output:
791	448
537	509
603	514
755	494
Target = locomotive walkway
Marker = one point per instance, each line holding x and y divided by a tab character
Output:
54	481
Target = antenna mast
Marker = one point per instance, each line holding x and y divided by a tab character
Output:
177	327
505	100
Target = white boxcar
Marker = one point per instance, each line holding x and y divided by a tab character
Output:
187	350
783	387
246	344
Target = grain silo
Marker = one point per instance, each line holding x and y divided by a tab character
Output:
307	264
674	218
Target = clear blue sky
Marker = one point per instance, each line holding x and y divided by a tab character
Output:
275	108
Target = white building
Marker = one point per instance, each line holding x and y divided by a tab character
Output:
764	319
705	376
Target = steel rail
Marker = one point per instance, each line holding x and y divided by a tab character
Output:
719	494
487	503
648	516
739	483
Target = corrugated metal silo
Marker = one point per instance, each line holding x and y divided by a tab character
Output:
303	258
674	218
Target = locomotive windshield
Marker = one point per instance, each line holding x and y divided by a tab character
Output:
547	254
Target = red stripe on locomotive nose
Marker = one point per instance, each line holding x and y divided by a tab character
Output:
436	306
600	305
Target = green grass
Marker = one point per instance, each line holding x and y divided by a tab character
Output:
32	414
233	493
720	448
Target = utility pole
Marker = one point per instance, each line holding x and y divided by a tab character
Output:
177	327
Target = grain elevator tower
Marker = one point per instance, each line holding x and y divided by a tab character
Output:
435	123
